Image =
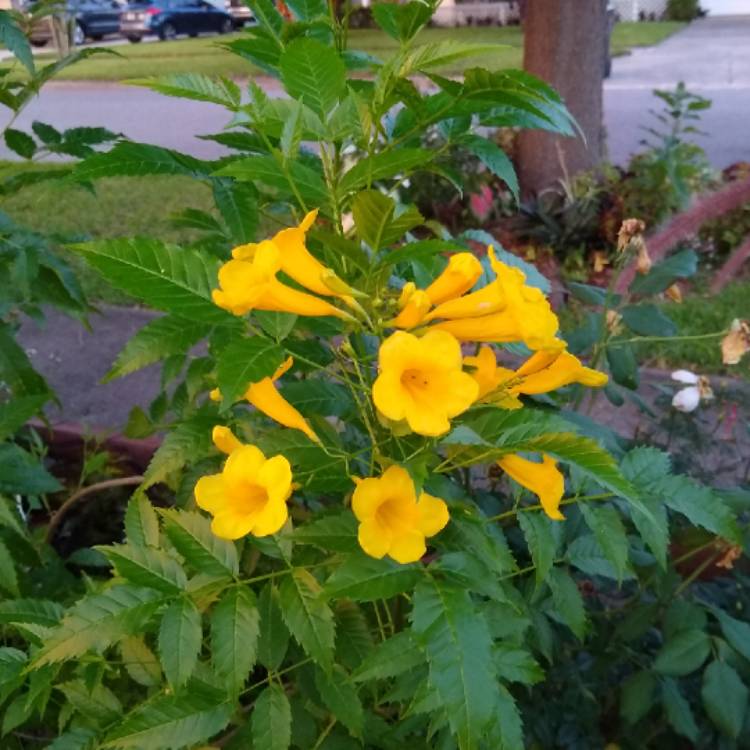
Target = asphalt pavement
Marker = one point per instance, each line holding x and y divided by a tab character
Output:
712	56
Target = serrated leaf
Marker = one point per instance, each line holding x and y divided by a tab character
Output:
364	579
402	22
192	537
457	642
470	530
507	726
24	474
174	279
316	396
735	631
568	601
538	532
517	665
495	159
180	636
341	699
609	532
99	704
313	73
636	697
17	411
246	361
16	369
186	443
136	159
139	661
381	166
725	698
679	713
235	626
224	92
307	615
146	566
171	722
272	719
306	10
99	621
586	554
78	738
157	340
238	205
141	523
683	654
8	576
13	39
336	532
22	143
398	654
274	636
354	640
35	611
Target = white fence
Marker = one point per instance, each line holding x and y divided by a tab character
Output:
501	13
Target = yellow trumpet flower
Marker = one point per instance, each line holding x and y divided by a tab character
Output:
421	381
249	495
544	479
414	305
247	285
461	274
393	520
265	397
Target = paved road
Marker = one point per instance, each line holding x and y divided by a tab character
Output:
712	56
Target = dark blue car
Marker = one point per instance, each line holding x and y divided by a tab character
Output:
168	18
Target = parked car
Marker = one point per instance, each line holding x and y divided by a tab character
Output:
94	19
240	12
168	18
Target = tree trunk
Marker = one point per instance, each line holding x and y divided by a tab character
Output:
565	45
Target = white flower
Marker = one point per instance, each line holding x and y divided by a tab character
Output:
688	399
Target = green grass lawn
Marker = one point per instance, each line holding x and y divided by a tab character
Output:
205	55
702	313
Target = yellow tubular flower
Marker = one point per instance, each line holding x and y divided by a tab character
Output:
392	520
526	315
461	274
296	260
265	397
486	372
247	285
249	496
543	479
484	301
414	305
224	439
421	381
563	370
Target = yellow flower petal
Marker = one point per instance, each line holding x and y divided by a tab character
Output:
433	514
484	301
276	476
544	479
414	310
210	492
408	547
397	482
232	524
564	370
225	440
265	397
462	272
373	538
243	464
271	518
421	380
366	498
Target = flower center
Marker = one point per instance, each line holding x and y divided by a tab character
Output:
250	498
415	380
395	516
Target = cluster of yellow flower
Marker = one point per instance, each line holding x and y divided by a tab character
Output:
423	382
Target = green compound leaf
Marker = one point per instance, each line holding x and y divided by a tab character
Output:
235	627
341	698
146	566
141	522
568	601
157	340
272	720
307	616
171	722
192	537
246	361
457	642
175	279
683	654
725	698
180	636
364	579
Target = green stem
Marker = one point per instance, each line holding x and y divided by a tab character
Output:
566	501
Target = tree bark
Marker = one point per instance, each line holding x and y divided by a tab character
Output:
565	45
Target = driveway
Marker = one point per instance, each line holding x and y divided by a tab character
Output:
712	56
